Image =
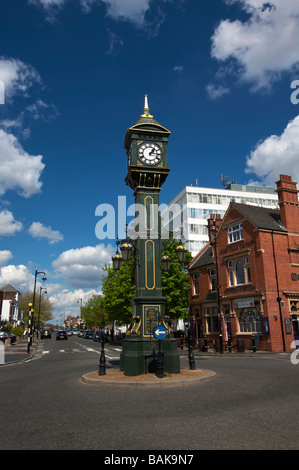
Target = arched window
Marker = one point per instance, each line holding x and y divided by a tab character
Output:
250	321
239	272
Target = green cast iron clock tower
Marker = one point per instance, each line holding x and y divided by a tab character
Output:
147	169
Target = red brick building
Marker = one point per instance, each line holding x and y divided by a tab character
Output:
256	262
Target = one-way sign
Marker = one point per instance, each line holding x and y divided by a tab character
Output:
160	332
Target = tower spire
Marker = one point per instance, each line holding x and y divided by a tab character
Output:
146	108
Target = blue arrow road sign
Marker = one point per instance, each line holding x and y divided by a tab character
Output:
160	332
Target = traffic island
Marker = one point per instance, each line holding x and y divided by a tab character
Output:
117	377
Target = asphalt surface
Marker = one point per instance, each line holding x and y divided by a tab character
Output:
250	404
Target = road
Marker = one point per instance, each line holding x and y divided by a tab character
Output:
251	403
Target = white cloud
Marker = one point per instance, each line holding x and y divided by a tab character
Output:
5	255
47	3
264	46
178	68
8	225
38	230
130	10
278	154
17	77
215	91
19	170
114	42
133	11
18	276
82	267
66	300
50	7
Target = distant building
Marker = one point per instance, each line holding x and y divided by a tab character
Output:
186	215
9	305
71	322
248	283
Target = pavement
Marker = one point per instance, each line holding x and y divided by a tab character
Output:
17	352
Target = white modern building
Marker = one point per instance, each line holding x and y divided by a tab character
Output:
187	214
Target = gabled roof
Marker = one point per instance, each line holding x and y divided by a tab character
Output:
9	288
204	258
261	217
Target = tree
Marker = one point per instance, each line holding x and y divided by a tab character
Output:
46	308
92	311
118	290
175	282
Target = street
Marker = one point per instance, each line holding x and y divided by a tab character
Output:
251	403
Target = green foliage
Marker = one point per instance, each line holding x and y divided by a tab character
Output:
46	308
118	290
175	282
92	311
17	331
6	326
119	287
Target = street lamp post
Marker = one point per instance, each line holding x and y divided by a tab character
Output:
181	255
102	368
189	342
217	290
40	293
33	301
29	328
80	300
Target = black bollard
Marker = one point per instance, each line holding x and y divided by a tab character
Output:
160	362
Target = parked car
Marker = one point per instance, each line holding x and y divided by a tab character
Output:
97	336
4	336
61	335
88	334
45	334
13	338
75	332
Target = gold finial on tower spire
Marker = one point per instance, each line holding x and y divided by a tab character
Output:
146	108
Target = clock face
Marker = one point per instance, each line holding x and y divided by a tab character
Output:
150	154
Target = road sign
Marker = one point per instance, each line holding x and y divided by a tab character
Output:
160	332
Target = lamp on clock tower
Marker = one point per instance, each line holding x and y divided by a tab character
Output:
147	169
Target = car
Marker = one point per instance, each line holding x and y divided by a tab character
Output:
88	334
75	332
45	334
12	337
69	332
4	335
61	335
97	336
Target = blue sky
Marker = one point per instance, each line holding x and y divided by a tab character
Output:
218	74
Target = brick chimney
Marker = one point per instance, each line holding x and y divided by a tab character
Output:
213	221
288	202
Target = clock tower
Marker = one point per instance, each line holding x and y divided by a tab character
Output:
147	169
